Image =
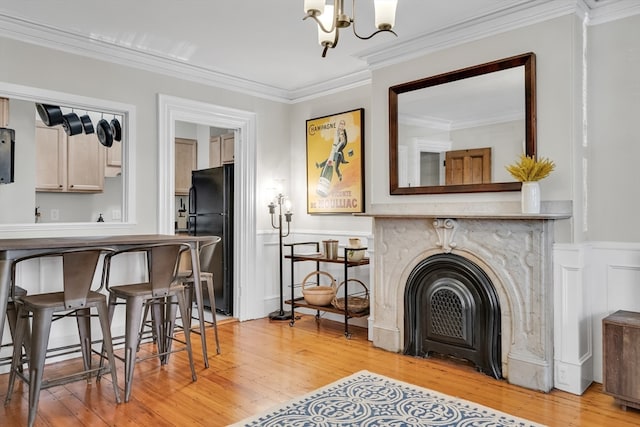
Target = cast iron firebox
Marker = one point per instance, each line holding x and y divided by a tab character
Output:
452	309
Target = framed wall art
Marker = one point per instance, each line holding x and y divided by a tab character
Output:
335	163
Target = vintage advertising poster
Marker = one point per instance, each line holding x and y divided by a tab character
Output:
335	163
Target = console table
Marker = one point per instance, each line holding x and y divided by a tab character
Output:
320	258
621	357
11	249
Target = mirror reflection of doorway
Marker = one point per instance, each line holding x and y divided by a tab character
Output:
430	169
421	163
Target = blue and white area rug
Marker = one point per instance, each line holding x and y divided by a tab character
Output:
368	399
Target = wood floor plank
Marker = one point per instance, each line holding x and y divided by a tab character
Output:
266	363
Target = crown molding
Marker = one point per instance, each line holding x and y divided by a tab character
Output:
603	11
448	125
491	23
27	31
329	87
526	13
55	38
425	122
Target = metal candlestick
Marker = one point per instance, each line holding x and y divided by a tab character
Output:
280	314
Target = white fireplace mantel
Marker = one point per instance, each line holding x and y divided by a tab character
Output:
514	249
552	210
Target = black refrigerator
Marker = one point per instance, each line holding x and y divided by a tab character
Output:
211	214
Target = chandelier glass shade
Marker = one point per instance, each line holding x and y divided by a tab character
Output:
331	17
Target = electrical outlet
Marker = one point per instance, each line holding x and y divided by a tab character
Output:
116	215
562	375
55	214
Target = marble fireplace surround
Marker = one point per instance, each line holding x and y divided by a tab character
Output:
514	249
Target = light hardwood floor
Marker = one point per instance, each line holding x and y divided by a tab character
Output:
265	363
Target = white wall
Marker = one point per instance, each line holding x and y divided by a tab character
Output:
75	207
330	104
553	42
293	173
599	276
18	198
614	139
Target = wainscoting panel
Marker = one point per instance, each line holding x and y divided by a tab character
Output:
268	263
614	281
624	286
591	281
573	338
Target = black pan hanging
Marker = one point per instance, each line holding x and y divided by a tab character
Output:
87	125
50	115
116	129
105	136
71	124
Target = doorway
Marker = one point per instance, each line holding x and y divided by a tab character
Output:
172	109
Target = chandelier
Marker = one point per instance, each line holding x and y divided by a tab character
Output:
331	17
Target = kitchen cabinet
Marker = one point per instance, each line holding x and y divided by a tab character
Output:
227	148
85	163
4	112
319	258
51	159
68	163
621	357
185	163
215	161
221	150
113	159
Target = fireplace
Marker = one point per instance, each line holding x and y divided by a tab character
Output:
513	255
452	309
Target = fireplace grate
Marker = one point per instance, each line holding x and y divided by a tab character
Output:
446	314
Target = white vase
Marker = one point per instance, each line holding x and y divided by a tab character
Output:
530	197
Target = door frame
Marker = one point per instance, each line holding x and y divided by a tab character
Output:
172	109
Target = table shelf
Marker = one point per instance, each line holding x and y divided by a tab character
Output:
300	302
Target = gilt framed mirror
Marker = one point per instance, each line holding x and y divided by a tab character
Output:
455	132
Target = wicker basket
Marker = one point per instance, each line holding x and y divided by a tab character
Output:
357	303
316	294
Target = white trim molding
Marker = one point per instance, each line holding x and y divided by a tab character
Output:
591	281
573	336
172	108
129	126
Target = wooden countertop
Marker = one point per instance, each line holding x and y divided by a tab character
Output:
81	241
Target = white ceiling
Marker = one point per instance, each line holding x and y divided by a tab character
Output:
263	46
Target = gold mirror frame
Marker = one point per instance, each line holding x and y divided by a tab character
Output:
526	60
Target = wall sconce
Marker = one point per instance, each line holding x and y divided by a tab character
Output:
330	18
282	202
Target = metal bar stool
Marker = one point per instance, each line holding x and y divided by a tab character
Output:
12	320
186	277
160	290
76	300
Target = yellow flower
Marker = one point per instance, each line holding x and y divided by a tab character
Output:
530	169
